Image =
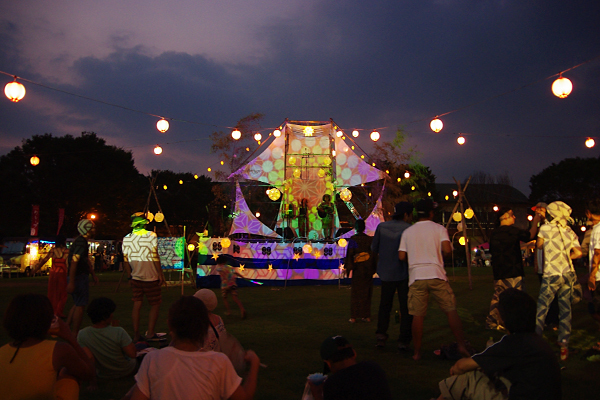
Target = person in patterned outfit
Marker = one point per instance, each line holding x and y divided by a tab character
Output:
560	246
141	261
507	262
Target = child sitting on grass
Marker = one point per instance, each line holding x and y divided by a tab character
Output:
112	347
216	326
228	285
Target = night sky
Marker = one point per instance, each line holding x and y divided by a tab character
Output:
365	64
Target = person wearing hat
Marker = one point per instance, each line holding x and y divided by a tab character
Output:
216	325
507	261
348	379
393	274
560	245
80	268
141	261
359	260
425	244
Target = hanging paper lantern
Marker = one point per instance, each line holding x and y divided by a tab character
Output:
375	136
236	134
274	194
276	133
355	133
307	248
165	187
191	247
180	182
342	242
292	160
462	241
562	87
495	208
35	160
14	91
225	243
157	150
436	125
149	216
159	217
257	137
455	193
457	216
469	213
345	194
162	125
407	174
589	143
196	176
461	140
339	133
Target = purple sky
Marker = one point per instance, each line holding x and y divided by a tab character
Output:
366	64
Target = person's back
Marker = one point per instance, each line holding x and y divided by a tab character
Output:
423	244
362	381
505	249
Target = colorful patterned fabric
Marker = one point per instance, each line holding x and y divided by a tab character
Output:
493	319
558	242
561	286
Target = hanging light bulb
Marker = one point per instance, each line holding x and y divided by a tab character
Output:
333	153
191	247
165	187
307	248
375	136
180	182
157	150
455	193
257	137
276	133
162	125
292	160
355	133
196	176
236	134
345	194
407	174
225	243
495	208
589	143
339	133
562	87
436	125
15	91
308	131
35	160
461	140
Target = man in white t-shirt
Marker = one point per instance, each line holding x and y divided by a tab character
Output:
593	215
424	245
560	245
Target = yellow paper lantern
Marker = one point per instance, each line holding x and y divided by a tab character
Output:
436	125
307	248
327	160
462	240
297	173
14	91
191	247
342	242
457	216
236	134
469	213
292	160
225	243
149	216
562	87
159	217
162	125
321	173
375	136
345	194
274	194
35	160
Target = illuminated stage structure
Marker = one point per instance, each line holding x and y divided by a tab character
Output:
297	167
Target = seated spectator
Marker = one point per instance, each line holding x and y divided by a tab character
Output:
520	366
110	344
34	367
349	380
216	325
180	371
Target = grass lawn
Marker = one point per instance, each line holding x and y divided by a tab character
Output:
286	327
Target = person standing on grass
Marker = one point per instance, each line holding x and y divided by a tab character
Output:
57	278
180	371
423	246
359	260
507	261
560	246
393	274
141	261
228	285
80	268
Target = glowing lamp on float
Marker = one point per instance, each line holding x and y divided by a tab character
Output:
321	173
339	133
274	194
276	133
307	248
469	213
562	87
327	160
162	125
236	134
355	133
589	143
157	150
462	241
14	91
345	194
342	242
225	243
35	160
191	247
257	137
297	173
436	125
461	140
159	217
375	136
292	160
257	214
308	131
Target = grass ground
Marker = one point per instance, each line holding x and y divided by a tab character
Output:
286	327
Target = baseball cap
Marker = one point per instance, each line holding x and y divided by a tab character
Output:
424	206
332	345
208	297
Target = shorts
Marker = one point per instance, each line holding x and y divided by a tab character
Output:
149	288
227	290
81	294
473	385
418	296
